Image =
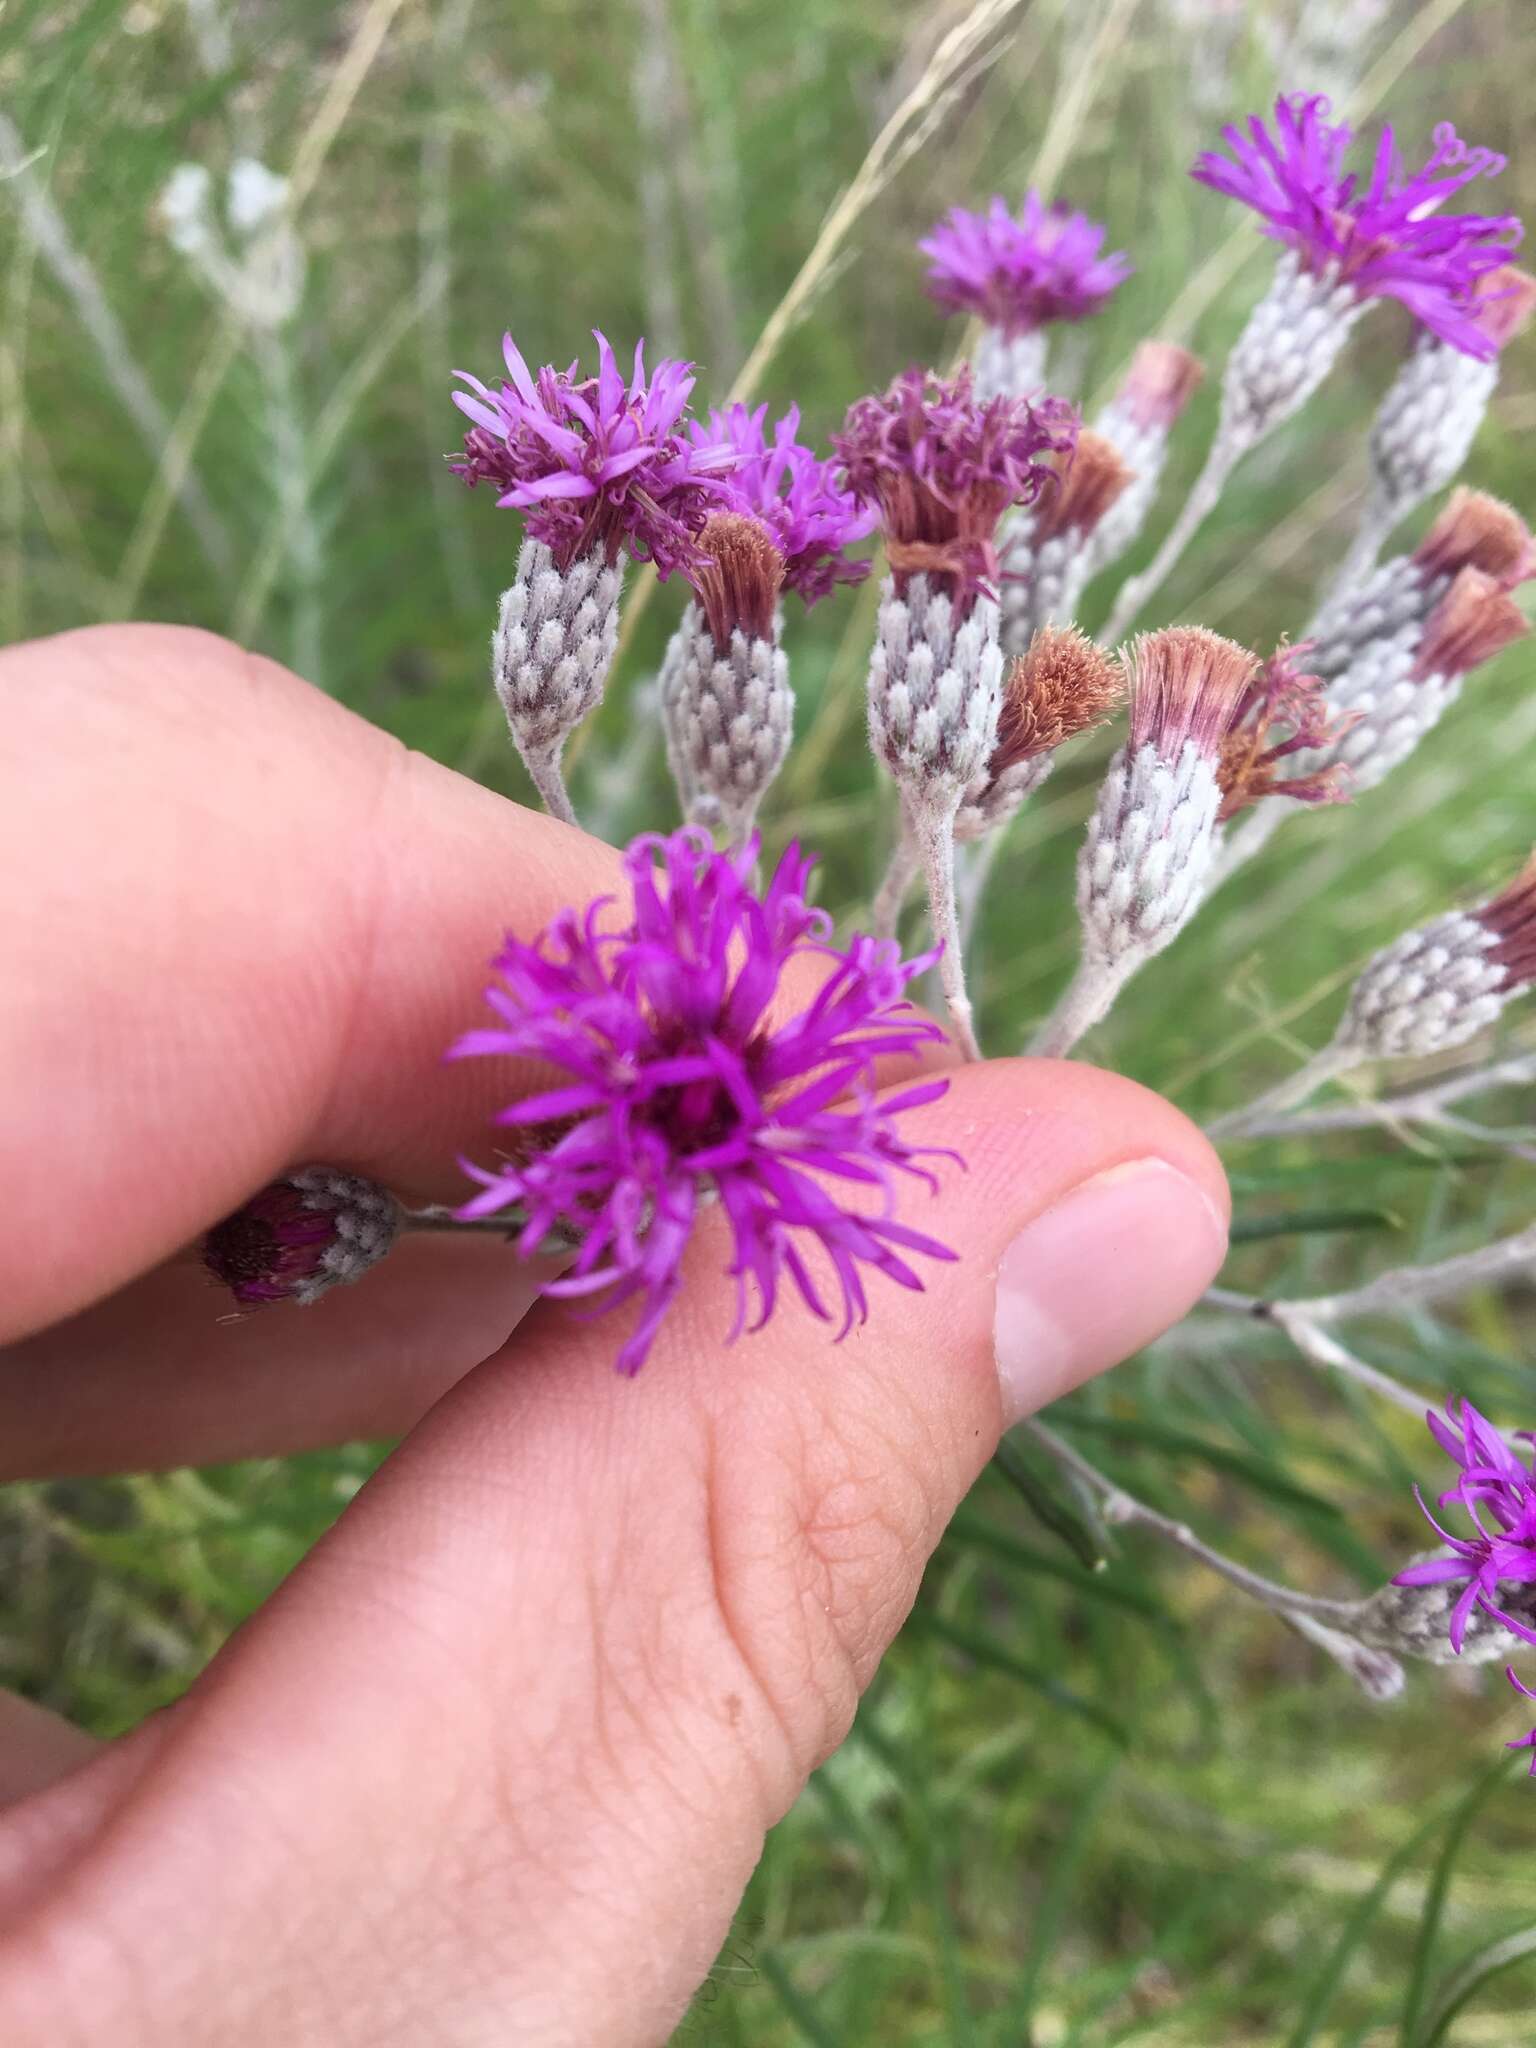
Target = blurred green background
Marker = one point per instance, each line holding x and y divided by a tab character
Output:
1077	1808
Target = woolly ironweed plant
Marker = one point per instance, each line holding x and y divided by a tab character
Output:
1175	1451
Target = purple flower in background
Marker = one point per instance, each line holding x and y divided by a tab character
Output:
1019	271
1498	1492
1524	1741
943	469
1386	237
592	462
791	491
680	1084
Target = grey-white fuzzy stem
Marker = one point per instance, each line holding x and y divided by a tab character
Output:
933	829
1323	1067
1379	515
1007	368
548	778
900	873
1291	341
1088	1001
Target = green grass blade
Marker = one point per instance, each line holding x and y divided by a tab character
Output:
1435	1897
796	2007
1465	1982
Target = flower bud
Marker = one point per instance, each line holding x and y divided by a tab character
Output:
554	642
316	1229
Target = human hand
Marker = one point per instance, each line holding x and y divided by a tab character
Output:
495	1763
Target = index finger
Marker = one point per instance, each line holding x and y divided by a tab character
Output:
241	929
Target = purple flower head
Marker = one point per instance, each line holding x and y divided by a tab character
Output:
1497	1490
593	462
317	1229
1019	271
943	469
680	1085
795	495
1386	237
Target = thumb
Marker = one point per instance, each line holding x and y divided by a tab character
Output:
583	1639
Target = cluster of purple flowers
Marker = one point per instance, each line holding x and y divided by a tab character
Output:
1497	1491
694	1074
1020	271
1386	236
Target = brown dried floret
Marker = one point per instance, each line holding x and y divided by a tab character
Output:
1478	531
1092	478
1063	684
1511	916
1475	620
739	580
1283	712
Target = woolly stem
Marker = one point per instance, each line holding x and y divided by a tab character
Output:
1125	1510
1323	1066
1415	1105
1227	450
978	873
1413	1286
1379	514
543	765
901	869
1317	1347
1088	1001
933	828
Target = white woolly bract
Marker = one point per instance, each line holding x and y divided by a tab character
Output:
1143	865
364	1216
1143	450
1291	342
1004	368
991	801
1427	422
1393	709
1389	598
554	642
1433	988
730	717
934	692
1039	586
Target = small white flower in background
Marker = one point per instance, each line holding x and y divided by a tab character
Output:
255	260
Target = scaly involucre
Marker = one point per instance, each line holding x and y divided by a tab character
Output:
794	493
591	462
682	1083
1497	1491
1020	271
1386	237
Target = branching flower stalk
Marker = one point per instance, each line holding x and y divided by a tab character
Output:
1376	1671
1345	245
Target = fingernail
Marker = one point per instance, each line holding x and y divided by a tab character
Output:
1099	1274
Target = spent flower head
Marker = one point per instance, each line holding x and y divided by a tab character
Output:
1475	530
681	1081
737	577
1187	687
943	469
1093	476
794	493
1283	712
1497	1493
1386	236
1475	620
1019	271
1062	685
1511	918
1503	302
592	462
